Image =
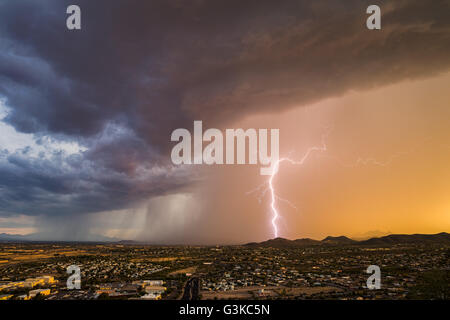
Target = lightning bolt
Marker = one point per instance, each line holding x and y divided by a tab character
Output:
269	185
275	169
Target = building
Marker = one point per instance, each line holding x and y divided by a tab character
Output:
146	283
11	285
32	282
151	296
155	289
109	292
43	292
49	279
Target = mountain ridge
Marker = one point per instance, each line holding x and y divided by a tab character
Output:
50	238
442	237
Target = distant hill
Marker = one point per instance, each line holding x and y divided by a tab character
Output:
284	243
129	242
439	238
338	240
49	237
11	237
306	242
442	237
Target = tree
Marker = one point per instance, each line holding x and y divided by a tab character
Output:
103	296
432	285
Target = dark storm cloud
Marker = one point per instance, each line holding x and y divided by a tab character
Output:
62	184
153	66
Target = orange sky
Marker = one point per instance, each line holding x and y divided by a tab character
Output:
403	128
399	132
